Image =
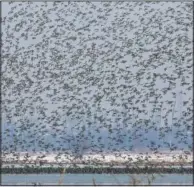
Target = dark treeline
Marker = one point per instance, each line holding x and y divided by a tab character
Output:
38	170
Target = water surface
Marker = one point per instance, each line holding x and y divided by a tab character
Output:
100	179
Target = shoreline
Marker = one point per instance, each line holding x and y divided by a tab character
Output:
100	158
91	170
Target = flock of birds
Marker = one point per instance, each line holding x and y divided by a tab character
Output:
94	76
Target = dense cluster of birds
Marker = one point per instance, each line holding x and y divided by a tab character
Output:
96	76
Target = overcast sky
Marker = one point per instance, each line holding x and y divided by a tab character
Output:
96	59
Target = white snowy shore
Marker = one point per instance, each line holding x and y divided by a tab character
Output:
103	158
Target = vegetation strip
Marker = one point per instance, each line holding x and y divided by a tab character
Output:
28	170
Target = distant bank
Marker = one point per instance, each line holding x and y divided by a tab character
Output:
99	170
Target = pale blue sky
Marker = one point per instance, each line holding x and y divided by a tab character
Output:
118	33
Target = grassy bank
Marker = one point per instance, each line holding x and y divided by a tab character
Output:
31	170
